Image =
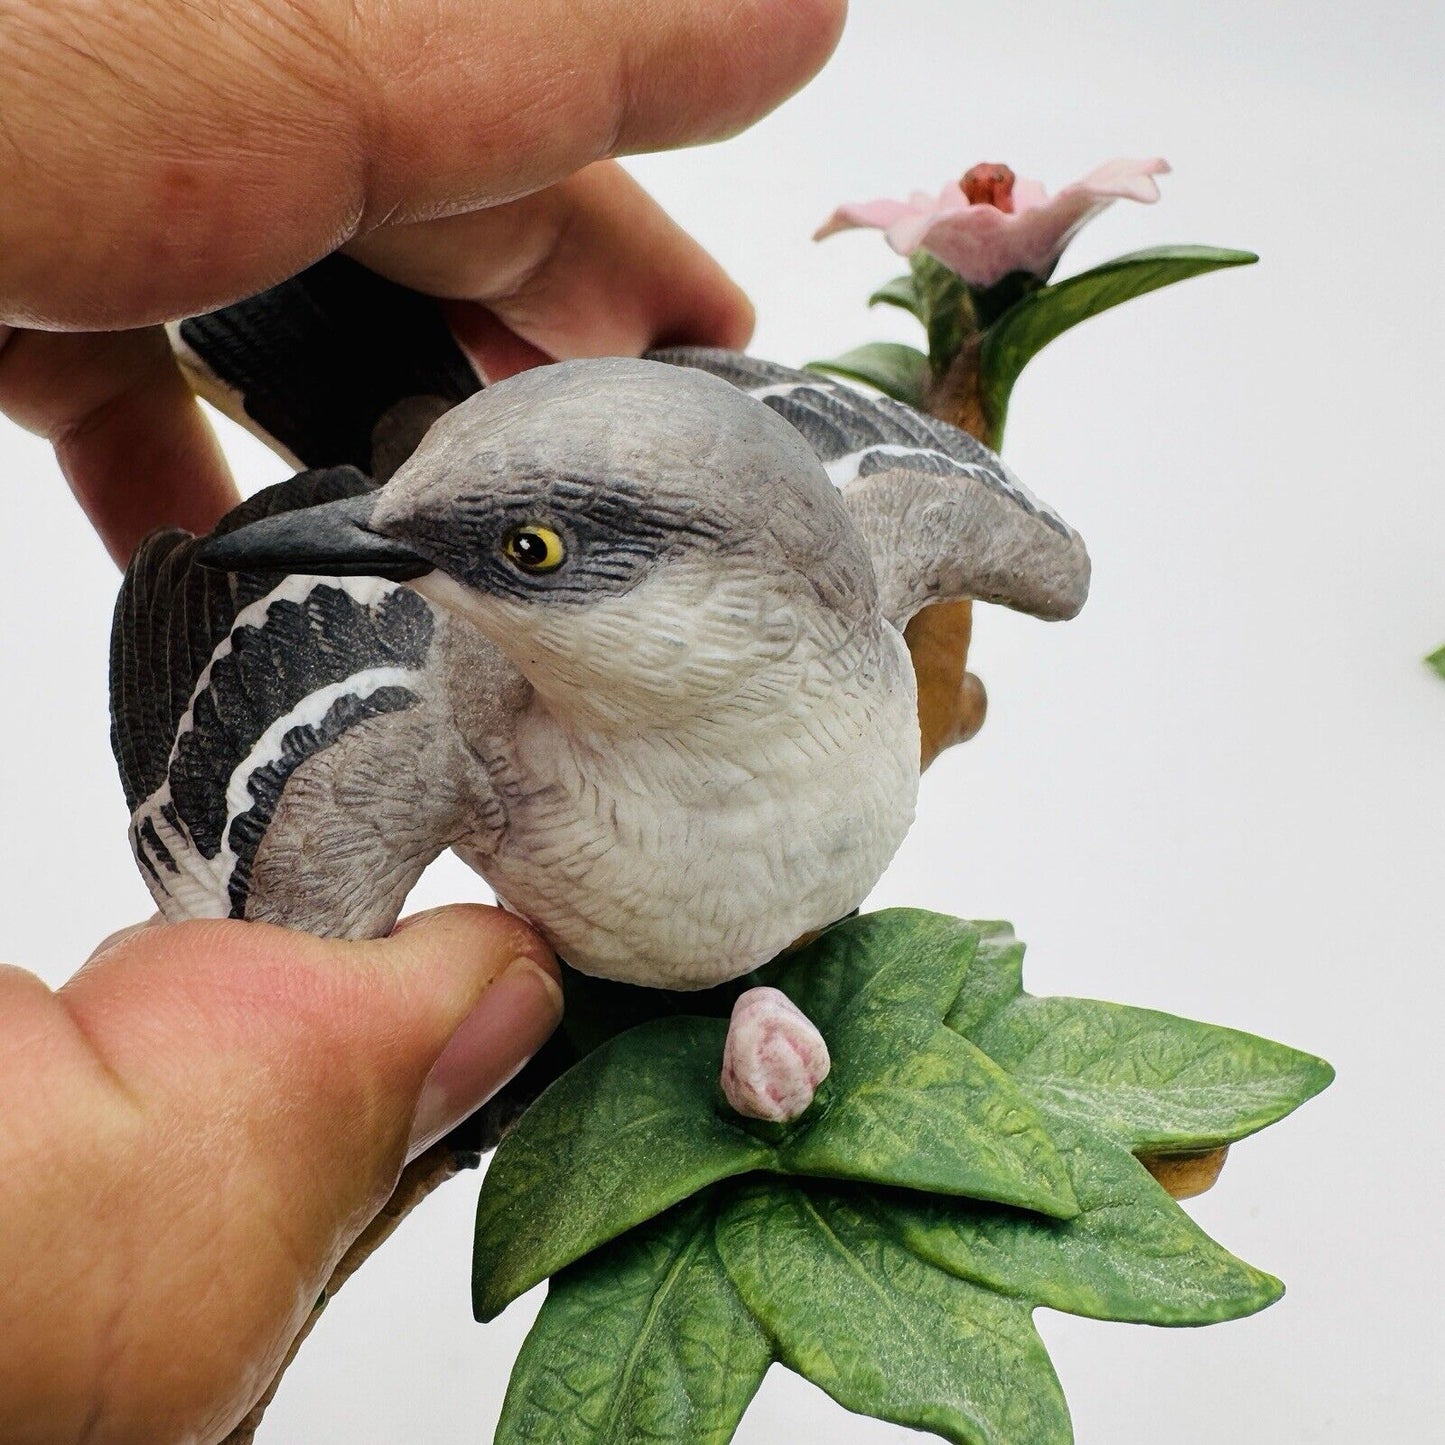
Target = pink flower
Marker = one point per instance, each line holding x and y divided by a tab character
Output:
774	1058
992	222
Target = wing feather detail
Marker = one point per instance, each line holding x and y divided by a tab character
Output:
227	690
943	516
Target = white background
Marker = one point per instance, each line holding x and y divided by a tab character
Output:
1219	792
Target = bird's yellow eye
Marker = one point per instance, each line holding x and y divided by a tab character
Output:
534	548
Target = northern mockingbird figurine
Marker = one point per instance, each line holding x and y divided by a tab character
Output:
626	635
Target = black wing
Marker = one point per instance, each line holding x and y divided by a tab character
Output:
337	366
223	687
170	617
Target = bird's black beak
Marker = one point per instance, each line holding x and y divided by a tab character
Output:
332	540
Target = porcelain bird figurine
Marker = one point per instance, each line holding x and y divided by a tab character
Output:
627	635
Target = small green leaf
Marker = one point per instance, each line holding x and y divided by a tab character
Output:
1154	1081
1437	661
894	369
1025	329
644	1340
1130	1254
631	1130
900	292
994	979
882	1332
945	306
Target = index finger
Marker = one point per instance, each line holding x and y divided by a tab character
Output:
194	154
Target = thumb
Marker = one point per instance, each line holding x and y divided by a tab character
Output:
244	1097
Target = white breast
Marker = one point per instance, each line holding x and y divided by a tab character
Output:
686	856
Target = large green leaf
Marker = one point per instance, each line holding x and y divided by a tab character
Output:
909	1102
631	1130
645	1340
1130	1253
1025	329
936	1115
894	369
912	1304
881	1331
1154	1081
898	959
1437	661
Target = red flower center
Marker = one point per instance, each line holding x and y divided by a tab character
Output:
989	185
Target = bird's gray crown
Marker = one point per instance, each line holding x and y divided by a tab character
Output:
623	464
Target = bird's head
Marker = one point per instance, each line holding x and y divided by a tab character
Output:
639	538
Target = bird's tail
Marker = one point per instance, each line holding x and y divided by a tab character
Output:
335	367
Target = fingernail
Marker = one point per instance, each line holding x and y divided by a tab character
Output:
509	1024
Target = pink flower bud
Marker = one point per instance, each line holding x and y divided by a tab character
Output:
774	1058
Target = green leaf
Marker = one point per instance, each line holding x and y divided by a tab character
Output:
631	1130
897	958
945	306
894	369
900	292
1153	1081
910	1102
882	1332
637	1126
1131	1253
909	1305
1437	661
930	1114
1025	329
644	1340
994	979
1156	1081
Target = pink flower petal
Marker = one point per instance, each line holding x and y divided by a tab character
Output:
978	242
1028	194
984	243
877	214
907	234
1127	179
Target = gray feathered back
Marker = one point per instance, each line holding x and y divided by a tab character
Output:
943	517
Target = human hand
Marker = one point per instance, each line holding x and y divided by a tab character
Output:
159	160
195	1128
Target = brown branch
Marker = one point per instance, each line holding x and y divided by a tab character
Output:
951	700
1187	1174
